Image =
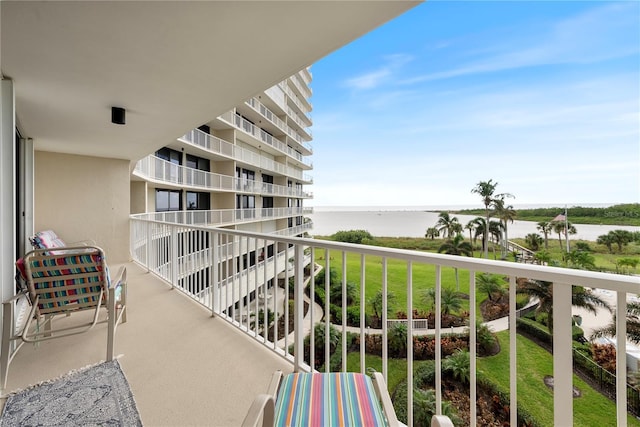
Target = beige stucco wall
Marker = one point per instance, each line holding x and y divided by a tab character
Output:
81	198
138	197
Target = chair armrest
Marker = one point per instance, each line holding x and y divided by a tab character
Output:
441	421
383	394
120	278
263	406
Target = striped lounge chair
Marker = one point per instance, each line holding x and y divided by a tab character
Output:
323	399
61	282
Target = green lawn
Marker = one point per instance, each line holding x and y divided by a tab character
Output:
592	409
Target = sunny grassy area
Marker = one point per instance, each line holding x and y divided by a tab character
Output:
592	409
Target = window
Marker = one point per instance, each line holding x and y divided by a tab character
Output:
170	155
267	178
267	202
196	162
168	200
198	201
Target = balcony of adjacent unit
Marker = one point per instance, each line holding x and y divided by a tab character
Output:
228	151
301	141
306	75
303	106
223	217
161	171
301	87
265	141
215	359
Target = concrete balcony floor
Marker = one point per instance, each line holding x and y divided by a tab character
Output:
185	367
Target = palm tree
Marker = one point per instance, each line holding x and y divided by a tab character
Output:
505	214
447	225
456	246
491	284
471	226
580	259
450	301
376	304
486	189
534	241
607	240
495	230
621	238
545	228
561	227
633	325
543	291
432	233
543	257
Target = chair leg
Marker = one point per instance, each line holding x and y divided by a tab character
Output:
111	321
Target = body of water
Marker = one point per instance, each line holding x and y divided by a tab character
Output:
413	222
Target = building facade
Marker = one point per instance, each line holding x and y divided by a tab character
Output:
247	169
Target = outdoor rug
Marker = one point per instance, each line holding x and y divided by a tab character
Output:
96	395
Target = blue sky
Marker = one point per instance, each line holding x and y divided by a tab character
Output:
542	97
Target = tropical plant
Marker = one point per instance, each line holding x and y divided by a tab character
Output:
451	301
543	292
621	238
447	225
424	407
607	240
486	190
334	277
456	246
534	241
432	233
352	236
545	228
624	263
376	303
495	230
351	290
319	337
543	257
563	227
633	325
491	284
580	259
458	366
505	213
397	336
471	226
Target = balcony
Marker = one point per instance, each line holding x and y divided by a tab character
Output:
259	134
159	170
230	151
225	289
185	369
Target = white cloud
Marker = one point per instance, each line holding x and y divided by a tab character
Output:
385	73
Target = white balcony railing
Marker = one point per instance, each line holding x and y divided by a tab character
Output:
304	107
159	170
258	133
278	122
233	152
176	252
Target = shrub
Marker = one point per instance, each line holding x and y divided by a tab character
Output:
352	236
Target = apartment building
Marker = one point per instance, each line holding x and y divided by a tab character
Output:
247	169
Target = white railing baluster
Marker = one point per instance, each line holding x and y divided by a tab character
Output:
513	354
472	349
363	337
385	327
344	311
410	343
299	307
327	312
438	346
312	320
621	358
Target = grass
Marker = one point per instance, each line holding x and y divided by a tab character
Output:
592	409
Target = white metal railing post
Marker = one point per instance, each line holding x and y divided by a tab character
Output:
149	241
327	312
174	256
215	259
472	349
344	311
385	327
410	344
299	307
363	337
621	358
438	319
513	354
562	356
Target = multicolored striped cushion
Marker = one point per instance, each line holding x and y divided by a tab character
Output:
83	274
334	399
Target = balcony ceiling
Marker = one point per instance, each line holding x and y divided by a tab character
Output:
172	65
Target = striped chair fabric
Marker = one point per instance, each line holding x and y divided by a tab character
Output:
82	278
335	399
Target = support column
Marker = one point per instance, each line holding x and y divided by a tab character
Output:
7	189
